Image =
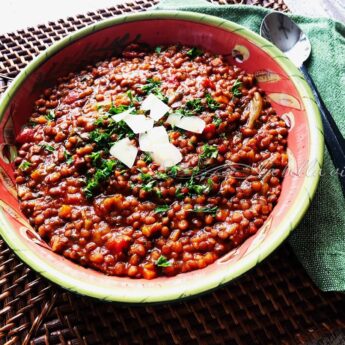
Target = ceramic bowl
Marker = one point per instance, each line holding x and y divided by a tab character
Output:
284	86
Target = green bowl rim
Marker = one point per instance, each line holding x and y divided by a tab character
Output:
289	222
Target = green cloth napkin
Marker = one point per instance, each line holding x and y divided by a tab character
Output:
319	240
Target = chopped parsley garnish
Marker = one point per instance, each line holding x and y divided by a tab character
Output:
184	112
102	173
209	184
95	157
209	151
236	89
161	176
153	86
173	171
50	116
131	97
211	210
47	147
24	165
100	121
122	130
211	103
217	121
163	262
148	187
150	181
146	177
178	193
158	50
192	108
100	137
147	158
117	110
158	192
194	52
68	157
195	105
70	160
162	208
196	188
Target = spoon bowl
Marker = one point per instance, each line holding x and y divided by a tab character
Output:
287	36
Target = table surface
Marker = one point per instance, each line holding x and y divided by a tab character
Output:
274	303
14	13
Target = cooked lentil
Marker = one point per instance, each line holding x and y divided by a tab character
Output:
144	222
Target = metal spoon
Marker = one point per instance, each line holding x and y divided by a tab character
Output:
290	39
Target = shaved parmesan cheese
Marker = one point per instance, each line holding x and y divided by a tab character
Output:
166	155
138	123
174	119
124	151
155	136
121	116
191	123
157	108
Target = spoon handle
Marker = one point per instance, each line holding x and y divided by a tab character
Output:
334	140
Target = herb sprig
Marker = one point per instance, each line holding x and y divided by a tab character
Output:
154	86
163	262
132	98
198	188
217	121
100	137
68	157
24	165
211	210
192	107
148	187
162	208
147	157
50	116
208	151
102	173
149	181
113	110
173	171
47	147
95	157
236	88
194	52
212	103
195	105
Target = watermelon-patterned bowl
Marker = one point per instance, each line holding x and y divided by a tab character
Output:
277	76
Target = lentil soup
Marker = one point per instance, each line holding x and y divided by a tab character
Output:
131	211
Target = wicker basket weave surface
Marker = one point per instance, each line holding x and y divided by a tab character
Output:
276	303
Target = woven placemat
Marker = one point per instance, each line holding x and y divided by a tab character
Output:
276	303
